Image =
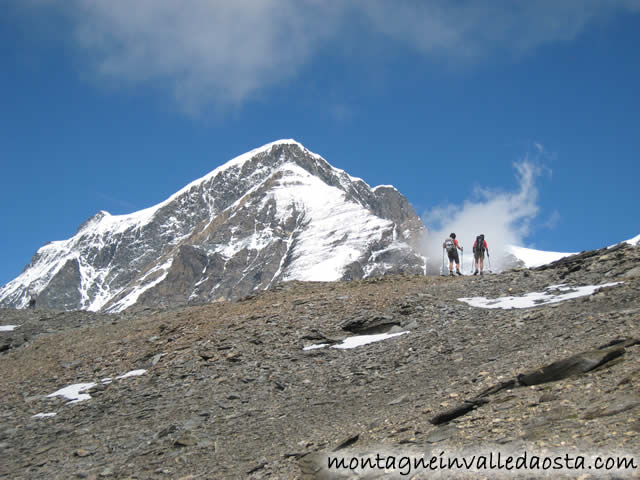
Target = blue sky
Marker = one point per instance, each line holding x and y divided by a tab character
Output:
115	105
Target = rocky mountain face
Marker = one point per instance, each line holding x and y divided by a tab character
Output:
244	390
277	213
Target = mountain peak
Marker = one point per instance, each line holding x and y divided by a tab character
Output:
276	213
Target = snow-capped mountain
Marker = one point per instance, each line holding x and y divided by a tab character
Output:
274	214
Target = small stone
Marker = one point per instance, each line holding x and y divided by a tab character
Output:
413	325
398	400
259	466
81	452
156	359
166	431
547	397
186	439
634	272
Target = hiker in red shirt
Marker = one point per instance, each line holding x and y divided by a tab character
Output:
479	247
452	246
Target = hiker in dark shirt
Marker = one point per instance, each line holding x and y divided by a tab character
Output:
452	246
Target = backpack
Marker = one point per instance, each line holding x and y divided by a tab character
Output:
450	245
479	244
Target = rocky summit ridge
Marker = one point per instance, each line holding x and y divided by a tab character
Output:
263	388
277	213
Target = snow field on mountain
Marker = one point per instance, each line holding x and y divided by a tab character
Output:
552	294
336	230
92	278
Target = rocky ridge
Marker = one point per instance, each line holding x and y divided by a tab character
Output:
230	392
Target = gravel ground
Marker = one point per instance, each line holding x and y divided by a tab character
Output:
229	391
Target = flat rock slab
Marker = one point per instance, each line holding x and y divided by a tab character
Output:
368	324
614	408
568	367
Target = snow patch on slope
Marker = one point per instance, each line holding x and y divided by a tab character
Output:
357	341
552	294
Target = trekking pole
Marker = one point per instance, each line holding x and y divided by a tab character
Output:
489	258
442	269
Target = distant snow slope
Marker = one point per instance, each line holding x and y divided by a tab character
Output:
634	241
534	258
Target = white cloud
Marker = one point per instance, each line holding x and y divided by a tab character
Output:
504	218
472	30
206	51
225	52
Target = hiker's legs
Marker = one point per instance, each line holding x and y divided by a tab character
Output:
452	258
481	264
